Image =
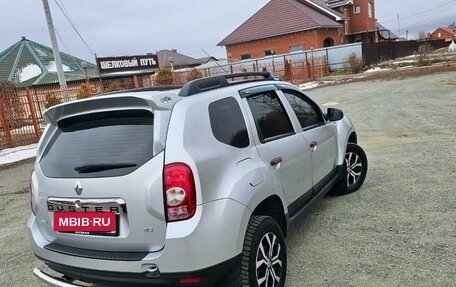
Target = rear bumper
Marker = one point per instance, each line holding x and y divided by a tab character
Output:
204	277
213	241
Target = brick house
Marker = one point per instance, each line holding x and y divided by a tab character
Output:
284	26
446	33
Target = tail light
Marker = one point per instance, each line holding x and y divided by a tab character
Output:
179	192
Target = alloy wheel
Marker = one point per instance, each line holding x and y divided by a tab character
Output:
354	168
269	261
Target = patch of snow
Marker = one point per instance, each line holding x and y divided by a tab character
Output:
410	57
11	155
404	62
452	47
52	67
330	104
377	69
405	67
309	86
28	72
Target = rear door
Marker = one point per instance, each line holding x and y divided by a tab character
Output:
319	134
104	162
285	151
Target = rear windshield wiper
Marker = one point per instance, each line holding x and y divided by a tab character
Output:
102	167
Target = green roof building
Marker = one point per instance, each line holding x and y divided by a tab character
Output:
28	63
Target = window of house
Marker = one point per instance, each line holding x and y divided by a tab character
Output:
439	35
370	10
269	52
271	120
228	124
307	114
296	48
246	57
356	9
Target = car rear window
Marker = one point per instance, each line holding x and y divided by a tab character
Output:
100	145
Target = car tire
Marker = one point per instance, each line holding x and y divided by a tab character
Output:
264	254
354	171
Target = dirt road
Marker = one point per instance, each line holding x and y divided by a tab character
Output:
399	229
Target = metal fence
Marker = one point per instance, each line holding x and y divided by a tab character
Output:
295	71
21	110
296	67
377	52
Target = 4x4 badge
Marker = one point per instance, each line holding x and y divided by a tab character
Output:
78	188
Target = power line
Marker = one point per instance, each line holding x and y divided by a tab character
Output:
427	24
64	8
419	23
68	50
67	16
420	13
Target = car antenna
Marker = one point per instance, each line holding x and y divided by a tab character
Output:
215	61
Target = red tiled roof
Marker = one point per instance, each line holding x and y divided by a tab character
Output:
279	17
447	29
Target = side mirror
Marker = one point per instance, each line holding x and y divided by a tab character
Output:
335	115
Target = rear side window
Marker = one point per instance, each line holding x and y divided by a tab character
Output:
271	120
100	145
227	123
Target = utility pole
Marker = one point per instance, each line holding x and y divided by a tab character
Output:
55	50
398	25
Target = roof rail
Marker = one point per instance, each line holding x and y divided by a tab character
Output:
149	89
215	82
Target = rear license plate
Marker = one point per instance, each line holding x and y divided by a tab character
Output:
88	223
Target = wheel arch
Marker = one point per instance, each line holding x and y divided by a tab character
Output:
273	207
353	138
346	133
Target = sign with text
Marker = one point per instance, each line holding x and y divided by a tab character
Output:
84	221
127	64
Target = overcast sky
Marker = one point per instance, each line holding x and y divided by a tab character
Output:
116	28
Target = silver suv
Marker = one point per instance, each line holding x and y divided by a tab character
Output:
190	186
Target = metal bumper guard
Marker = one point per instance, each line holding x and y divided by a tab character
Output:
54	281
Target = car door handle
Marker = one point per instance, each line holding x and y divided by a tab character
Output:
313	145
277	161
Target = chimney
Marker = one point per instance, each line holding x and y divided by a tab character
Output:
174	50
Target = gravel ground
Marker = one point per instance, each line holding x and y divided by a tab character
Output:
399	229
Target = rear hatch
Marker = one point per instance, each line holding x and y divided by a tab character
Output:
102	156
